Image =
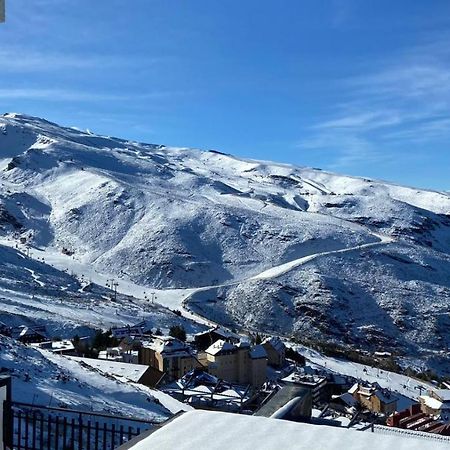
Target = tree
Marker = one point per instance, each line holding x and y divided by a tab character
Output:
178	332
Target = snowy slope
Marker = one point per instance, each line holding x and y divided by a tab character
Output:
34	292
53	380
294	250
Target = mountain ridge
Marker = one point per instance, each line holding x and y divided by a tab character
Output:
167	217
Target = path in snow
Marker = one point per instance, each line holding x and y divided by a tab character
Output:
172	298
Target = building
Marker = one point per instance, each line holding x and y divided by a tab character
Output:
374	398
291	402
127	331
204	430
202	390
29	335
206	338
276	351
236	363
64	347
118	354
436	403
415	420
315	383
169	356
135	373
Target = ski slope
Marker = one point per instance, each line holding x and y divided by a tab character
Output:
261	245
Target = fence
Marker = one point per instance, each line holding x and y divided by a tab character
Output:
44	428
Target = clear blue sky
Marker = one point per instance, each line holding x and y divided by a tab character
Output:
354	86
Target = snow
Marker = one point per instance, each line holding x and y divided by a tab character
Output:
132	372
444	394
167	344
219	346
222	431
401	384
275	342
431	402
249	244
45	378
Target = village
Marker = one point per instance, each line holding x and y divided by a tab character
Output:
221	370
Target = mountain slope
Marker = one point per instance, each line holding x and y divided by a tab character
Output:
44	378
168	217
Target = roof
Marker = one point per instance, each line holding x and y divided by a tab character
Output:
347	398
210	430
62	345
166	344
280	399
132	372
431	402
219	347
226	334
309	380
275	342
385	396
22	331
443	394
258	352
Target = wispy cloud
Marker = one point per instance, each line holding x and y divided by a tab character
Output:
64	95
405	102
15	59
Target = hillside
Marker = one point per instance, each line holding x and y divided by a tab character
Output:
47	379
274	247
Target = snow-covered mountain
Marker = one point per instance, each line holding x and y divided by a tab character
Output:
274	247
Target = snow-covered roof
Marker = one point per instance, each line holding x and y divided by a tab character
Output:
220	346
132	372
258	352
166	344
348	398
443	394
23	331
207	430
385	396
62	345
431	402
226	334
275	342
305	379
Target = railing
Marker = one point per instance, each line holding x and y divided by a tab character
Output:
44	428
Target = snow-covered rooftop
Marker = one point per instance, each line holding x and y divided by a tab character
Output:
431	402
226	334
207	430
132	372
443	394
275	342
220	346
166	344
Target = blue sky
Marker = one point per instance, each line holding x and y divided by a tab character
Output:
354	86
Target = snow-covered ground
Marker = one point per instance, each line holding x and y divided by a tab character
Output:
406	386
275	247
233	431
43	378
